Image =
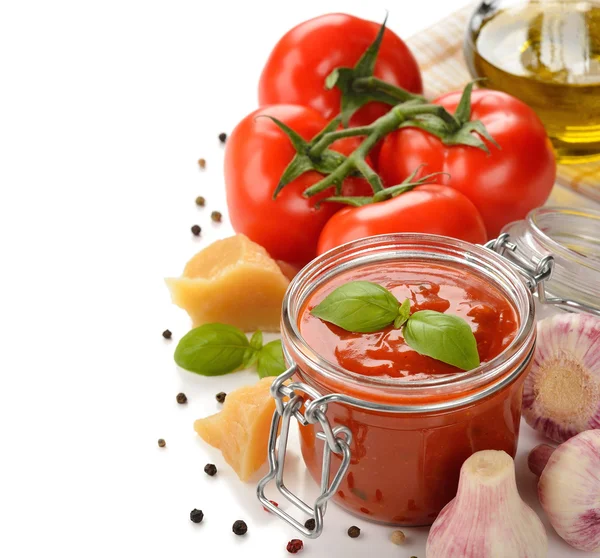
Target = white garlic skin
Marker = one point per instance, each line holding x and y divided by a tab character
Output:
561	394
487	519
569	491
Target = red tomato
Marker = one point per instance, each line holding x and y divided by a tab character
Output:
256	155
298	65
504	184
431	208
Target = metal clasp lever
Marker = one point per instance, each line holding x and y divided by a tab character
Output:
337	440
537	271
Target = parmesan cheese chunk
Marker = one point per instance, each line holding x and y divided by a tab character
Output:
233	281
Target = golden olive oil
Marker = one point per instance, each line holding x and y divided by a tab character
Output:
548	55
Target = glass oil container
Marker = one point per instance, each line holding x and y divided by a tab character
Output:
546	53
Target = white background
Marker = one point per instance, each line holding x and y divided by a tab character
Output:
105	108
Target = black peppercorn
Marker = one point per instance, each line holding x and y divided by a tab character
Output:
216	216
222	137
196	230
310	524
200	201
210	469
196	515
354	532
202	163
220	397
161	443
181	398
167	334
240	527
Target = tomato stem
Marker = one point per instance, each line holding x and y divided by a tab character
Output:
327	139
372	84
374	133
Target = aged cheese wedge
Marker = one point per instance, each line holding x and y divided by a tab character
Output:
233	281
241	429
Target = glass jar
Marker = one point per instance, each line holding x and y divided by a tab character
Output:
546	53
390	451
395	448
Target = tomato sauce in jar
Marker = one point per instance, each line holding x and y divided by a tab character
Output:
428	286
414	420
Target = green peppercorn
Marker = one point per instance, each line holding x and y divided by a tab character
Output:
354	532
240	528
161	443
196	516
216	216
167	334
196	230
181	398
200	201
220	397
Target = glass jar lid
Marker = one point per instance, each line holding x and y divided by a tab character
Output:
572	237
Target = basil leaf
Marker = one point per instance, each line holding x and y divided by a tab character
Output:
212	349
358	306
250	357
256	343
403	314
270	360
443	337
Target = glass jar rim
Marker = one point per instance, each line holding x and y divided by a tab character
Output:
475	258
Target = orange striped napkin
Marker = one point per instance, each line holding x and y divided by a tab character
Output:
439	52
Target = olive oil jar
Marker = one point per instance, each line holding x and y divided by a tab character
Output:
546	53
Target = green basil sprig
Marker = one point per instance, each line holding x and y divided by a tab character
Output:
443	337
359	306
217	349
270	361
365	307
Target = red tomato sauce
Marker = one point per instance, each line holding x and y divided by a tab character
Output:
429	287
405	466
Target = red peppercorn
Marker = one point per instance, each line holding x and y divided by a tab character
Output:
294	546
272	502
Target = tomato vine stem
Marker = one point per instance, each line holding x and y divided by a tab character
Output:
372	84
374	133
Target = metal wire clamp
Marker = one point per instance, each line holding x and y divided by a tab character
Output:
337	440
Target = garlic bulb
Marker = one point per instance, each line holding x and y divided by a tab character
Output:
561	395
487	519
569	489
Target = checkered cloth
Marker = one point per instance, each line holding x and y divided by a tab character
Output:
439	52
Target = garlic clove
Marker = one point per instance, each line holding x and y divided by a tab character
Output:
561	396
538	458
569	491
487	519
